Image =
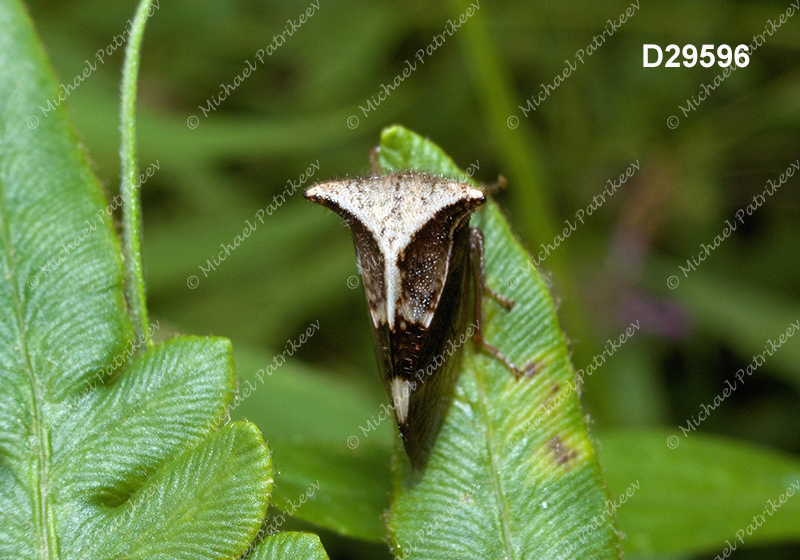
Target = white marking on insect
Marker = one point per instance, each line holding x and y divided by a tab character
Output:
384	211
401	391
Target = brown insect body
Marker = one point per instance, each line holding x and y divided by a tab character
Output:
412	238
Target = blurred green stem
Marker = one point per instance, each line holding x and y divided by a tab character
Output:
533	208
516	147
131	205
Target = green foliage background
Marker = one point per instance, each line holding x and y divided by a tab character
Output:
292	112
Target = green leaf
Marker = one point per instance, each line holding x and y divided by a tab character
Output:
352	475
204	503
695	497
290	546
96	457
492	488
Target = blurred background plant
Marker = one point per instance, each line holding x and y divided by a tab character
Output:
298	267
